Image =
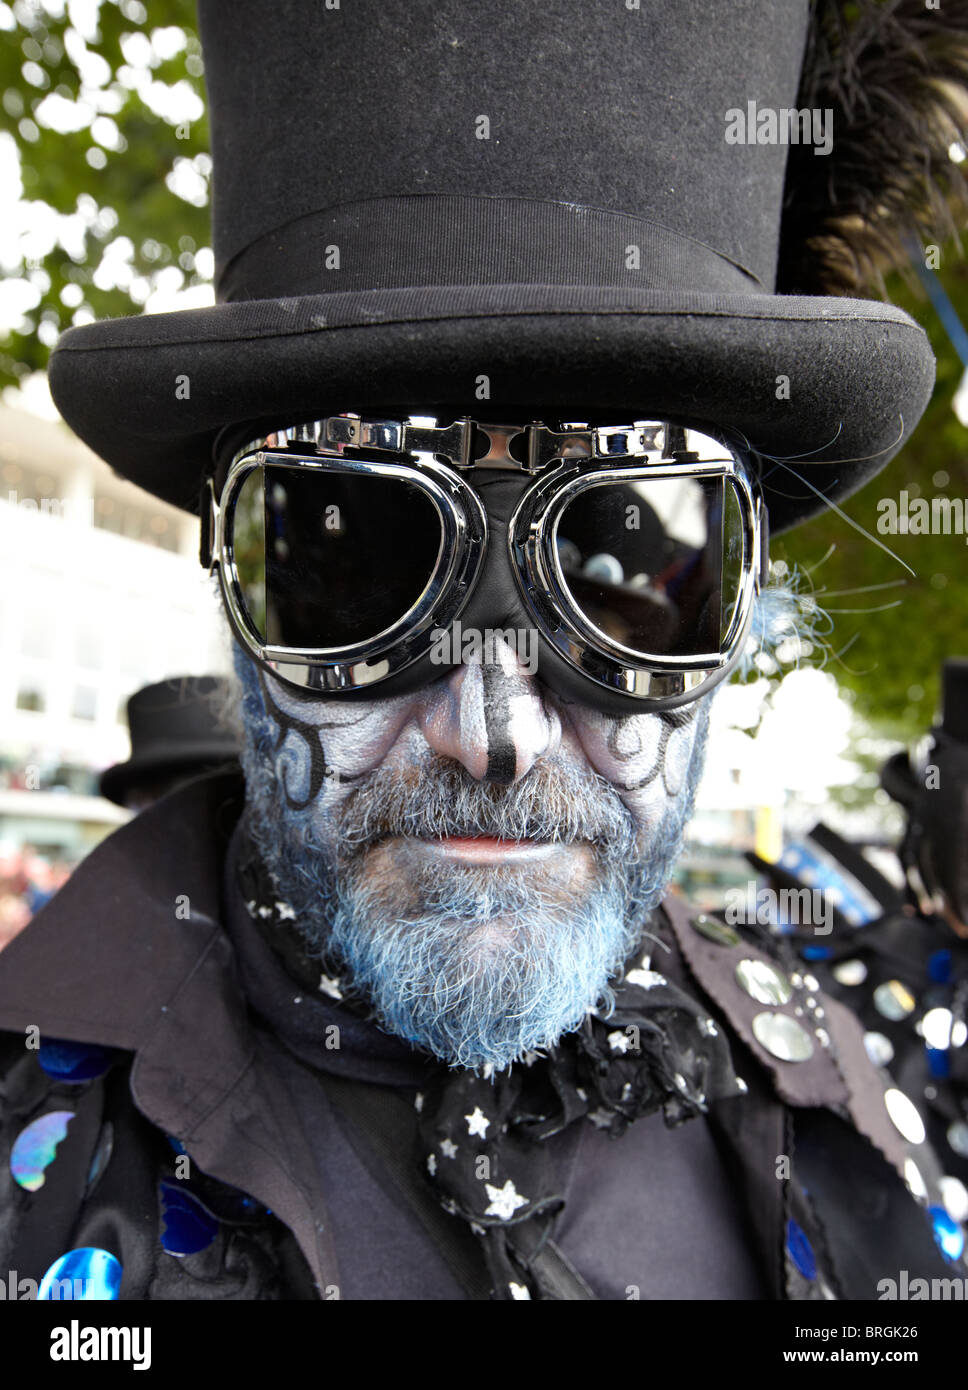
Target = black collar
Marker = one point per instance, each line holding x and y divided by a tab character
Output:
142	909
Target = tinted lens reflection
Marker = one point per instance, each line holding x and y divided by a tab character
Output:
732	558
655	564
329	559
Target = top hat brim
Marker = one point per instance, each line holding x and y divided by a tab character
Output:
826	389
175	759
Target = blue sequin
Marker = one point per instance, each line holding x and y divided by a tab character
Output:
939	1063
188	1227
939	966
816	952
85	1274
801	1251
35	1147
72	1061
948	1234
233	1205
223	1201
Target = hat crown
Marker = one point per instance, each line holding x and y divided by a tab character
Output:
176	712
441	143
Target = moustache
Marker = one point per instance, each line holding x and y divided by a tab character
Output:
438	799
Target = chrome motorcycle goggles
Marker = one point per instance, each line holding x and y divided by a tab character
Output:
348	549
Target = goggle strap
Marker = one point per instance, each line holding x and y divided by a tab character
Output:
541	446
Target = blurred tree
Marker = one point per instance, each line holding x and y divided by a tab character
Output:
891	630
106	111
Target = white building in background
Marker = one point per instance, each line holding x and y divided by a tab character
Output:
101	593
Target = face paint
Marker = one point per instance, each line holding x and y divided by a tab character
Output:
487	717
647	759
479	857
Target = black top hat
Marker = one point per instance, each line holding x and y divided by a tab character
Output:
559	208
936	797
174	729
954	698
898	777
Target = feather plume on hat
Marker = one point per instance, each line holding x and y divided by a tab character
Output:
895	75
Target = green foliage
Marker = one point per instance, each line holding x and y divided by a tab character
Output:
110	179
890	657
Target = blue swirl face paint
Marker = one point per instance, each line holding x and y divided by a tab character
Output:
479	855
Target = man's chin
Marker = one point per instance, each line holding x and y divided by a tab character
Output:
480	976
475	948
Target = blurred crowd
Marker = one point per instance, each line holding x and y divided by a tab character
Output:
177	732
27	881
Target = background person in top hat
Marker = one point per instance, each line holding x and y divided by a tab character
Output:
899	958
905	975
934	792
177	733
396	951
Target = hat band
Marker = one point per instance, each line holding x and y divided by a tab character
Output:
458	239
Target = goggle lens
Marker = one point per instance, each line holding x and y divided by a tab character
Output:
655	564
327	559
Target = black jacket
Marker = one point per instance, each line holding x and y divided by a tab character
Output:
929	962
133	954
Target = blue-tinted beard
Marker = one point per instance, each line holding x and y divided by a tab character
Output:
476	965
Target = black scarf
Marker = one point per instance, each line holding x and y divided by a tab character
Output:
480	1133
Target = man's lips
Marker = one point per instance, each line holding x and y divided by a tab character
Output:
486	849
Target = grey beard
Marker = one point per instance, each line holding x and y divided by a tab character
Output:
477	965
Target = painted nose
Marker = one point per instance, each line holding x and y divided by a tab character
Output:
490	715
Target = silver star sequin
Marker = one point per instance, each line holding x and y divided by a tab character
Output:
504	1201
477	1122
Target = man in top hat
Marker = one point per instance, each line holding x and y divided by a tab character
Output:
905	973
898	958
406	1015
